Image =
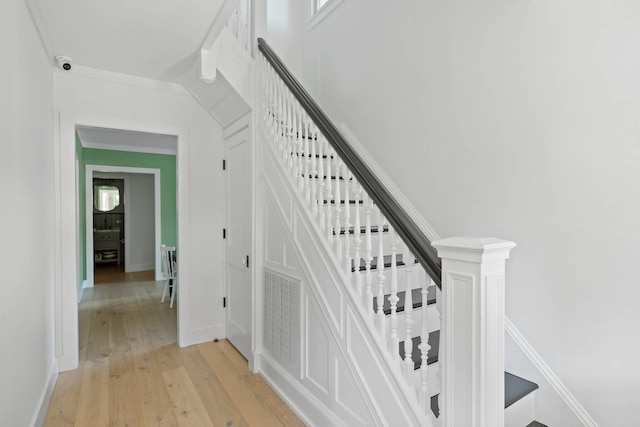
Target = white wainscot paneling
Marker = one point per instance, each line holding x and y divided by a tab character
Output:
273	236
278	188
317	361
322	274
348	397
394	410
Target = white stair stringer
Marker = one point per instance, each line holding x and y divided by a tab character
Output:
391	400
224	82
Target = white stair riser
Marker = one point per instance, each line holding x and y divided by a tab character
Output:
433	322
433	379
521	413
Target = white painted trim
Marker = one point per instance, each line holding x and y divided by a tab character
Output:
125	79
36	17
45	396
549	375
140	267
323	12
306	406
535	358
90	170
65	235
148	150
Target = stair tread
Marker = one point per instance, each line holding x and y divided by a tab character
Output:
333	202
363	229
416	295
432	356
515	388
536	424
374	263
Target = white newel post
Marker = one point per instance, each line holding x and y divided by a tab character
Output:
472	331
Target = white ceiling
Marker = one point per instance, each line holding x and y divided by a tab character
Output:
113	139
156	39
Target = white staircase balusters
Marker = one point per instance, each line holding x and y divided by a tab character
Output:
368	303
291	126
409	365
380	316
240	24
338	208
306	160
320	142
313	170
357	241
393	297
329	195
347	224
424	396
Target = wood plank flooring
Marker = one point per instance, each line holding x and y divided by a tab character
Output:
132	373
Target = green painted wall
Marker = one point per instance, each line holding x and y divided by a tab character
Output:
82	218
167	165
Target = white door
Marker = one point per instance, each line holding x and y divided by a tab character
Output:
238	241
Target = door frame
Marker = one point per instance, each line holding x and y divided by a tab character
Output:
90	169
67	281
255	265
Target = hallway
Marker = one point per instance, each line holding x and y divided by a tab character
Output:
132	373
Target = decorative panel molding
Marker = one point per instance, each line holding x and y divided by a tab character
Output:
317	362
347	395
282	319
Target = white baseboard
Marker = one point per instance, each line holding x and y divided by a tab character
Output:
199	336
306	406
140	267
45	396
549	375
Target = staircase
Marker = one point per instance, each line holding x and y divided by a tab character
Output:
379	254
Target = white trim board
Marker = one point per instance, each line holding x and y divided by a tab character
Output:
94	170
66	219
45	396
555	382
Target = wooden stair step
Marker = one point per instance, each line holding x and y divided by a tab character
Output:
374	263
515	388
333	202
332	177
352	230
416	295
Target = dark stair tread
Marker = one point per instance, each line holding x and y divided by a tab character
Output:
432	356
536	424
515	388
374	263
416	295
332	177
352	230
351	202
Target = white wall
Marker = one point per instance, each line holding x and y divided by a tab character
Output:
97	98
27	362
141	222
520	120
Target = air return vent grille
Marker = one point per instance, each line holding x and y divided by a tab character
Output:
282	319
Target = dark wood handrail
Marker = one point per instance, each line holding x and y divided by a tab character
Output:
406	227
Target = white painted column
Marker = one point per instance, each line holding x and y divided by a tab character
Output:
472	332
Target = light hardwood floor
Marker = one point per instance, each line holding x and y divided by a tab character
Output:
132	373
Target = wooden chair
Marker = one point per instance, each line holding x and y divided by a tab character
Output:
169	272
